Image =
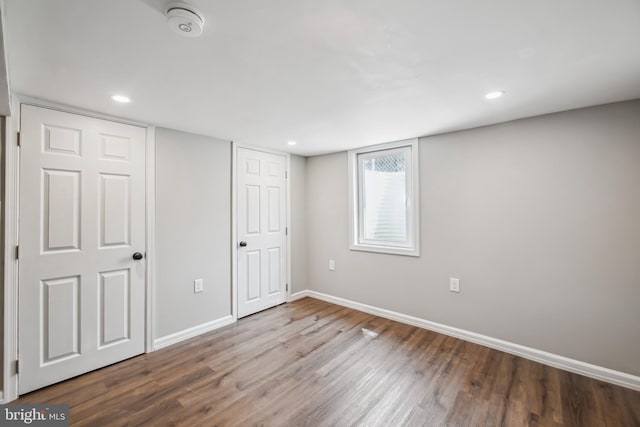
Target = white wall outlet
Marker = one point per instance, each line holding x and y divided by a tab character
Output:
198	285
454	284
332	265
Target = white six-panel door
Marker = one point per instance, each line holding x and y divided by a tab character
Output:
82	217
261	222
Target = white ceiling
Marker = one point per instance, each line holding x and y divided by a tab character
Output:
328	74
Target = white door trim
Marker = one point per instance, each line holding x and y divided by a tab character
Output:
10	214
37	102
150	256
11	219
234	221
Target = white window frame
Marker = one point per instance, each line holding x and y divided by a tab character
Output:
356	233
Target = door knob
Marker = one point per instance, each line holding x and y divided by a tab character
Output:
243	244
138	256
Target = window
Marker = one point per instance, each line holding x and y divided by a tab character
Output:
384	208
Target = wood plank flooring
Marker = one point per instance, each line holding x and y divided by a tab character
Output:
311	363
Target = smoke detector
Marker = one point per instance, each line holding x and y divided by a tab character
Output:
184	20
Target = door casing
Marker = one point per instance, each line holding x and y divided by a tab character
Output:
10	212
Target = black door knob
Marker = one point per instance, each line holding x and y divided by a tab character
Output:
138	256
243	244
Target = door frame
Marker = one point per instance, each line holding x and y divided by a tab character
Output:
234	220
10	213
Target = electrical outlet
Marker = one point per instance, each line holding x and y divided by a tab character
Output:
332	265
454	284
198	285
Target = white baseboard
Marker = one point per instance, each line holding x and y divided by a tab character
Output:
557	361
299	295
192	332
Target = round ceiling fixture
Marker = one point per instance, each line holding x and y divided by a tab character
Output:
184	20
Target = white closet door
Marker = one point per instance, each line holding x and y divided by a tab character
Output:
82	219
262	198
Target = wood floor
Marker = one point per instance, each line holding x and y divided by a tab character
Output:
311	363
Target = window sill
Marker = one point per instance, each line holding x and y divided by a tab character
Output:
390	250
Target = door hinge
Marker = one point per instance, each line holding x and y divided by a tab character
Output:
287	287
286	231
286	174
17	366
17	252
19	139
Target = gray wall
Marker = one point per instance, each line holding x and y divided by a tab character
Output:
5	92
540	220
193	230
298	183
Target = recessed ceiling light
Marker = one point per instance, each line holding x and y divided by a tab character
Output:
292	143
494	95
121	98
